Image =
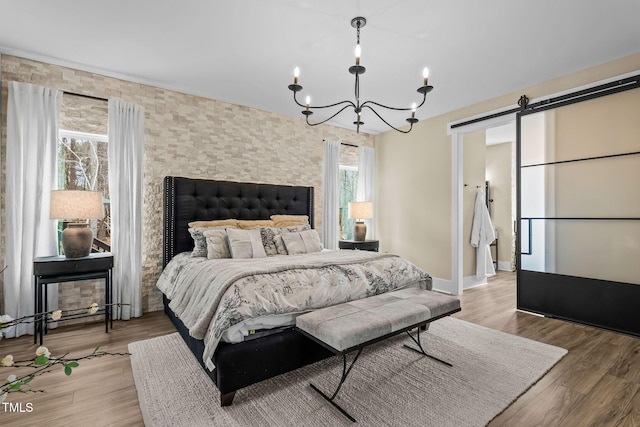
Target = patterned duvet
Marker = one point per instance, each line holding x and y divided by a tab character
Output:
210	296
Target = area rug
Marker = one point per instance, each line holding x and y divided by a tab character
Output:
388	386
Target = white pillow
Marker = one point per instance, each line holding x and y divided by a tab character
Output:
245	243
303	242
217	246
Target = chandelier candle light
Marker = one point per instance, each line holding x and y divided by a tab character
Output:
357	70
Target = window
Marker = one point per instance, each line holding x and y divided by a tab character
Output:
348	193
83	165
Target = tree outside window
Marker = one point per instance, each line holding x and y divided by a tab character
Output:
83	165
348	192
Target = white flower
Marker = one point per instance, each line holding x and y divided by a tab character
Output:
3	397
5	318
43	351
93	308
56	315
11	379
7	360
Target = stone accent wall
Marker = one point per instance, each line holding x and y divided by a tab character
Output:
185	135
348	156
84	115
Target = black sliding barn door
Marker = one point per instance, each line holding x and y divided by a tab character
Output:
578	208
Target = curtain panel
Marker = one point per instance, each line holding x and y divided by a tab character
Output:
367	184
331	194
31	174
126	152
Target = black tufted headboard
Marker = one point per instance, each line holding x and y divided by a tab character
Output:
187	200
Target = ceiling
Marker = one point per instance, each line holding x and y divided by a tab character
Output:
244	51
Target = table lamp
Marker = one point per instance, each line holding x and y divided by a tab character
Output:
360	211
76	206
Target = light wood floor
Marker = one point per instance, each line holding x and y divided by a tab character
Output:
596	384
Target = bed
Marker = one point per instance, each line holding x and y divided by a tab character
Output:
233	366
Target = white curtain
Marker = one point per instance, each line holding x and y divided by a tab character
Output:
366	183
32	138
331	194
126	152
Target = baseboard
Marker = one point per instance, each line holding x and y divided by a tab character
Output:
448	287
472	282
444	286
504	266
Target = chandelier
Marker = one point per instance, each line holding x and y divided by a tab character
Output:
357	70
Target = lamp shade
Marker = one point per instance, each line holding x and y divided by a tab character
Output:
360	210
75	204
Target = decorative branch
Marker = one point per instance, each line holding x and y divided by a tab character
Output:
43	362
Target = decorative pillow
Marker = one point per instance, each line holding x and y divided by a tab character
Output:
245	243
289	220
268	236
272	241
217	245
246	224
303	242
200	240
215	223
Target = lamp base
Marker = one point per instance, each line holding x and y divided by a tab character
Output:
359	231
77	239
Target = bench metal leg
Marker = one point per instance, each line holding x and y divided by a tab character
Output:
421	351
345	373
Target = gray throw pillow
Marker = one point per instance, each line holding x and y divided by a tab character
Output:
217	245
199	241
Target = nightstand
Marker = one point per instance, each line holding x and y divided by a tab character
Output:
366	245
57	269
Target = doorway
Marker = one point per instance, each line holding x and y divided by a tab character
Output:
488	159
498	131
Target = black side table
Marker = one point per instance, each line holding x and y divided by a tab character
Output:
56	269
366	245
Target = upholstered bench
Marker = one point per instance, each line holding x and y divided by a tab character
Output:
352	326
